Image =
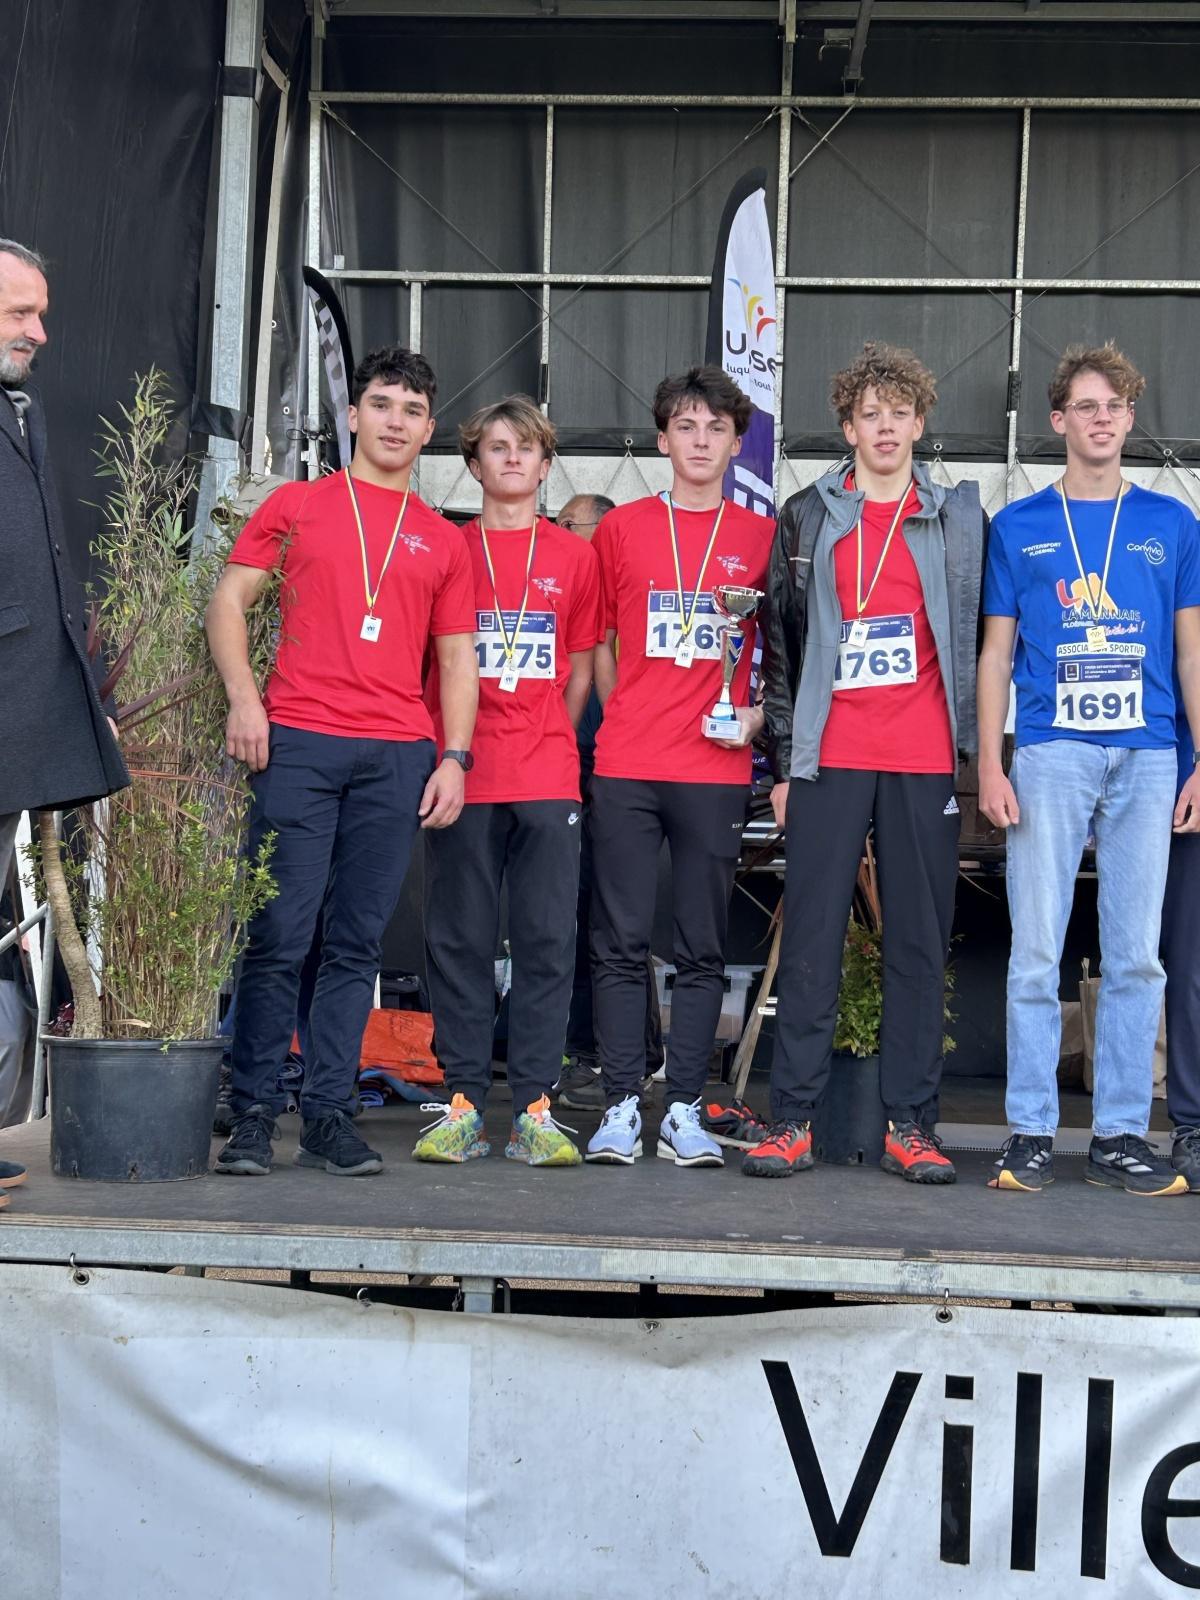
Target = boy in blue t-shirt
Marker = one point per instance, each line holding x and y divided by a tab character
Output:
1180	948
1097	585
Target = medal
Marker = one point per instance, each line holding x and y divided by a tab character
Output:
685	650
510	677
860	629
371	624
1097	636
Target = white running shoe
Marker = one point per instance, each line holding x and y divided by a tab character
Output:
682	1140
619	1137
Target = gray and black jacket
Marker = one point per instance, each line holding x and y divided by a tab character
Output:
802	617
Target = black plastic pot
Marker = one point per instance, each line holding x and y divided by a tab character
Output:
848	1123
132	1111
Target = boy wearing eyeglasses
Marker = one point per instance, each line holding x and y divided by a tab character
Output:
1096	585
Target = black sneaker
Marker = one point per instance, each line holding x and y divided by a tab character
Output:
735	1124
1026	1162
248	1152
1185	1156
333	1142
223	1113
1128	1162
579	1087
11	1174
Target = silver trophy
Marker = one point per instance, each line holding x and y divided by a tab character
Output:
736	605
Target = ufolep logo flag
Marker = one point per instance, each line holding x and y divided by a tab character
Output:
741	333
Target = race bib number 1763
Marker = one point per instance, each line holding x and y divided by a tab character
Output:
664	625
885	658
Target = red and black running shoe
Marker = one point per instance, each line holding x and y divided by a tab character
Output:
916	1155
787	1148
736	1124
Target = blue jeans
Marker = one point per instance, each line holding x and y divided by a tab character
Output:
344	815
1066	788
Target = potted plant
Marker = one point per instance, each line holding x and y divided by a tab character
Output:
149	904
849	1122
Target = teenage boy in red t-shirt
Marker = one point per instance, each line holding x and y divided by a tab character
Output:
537	596
340	747
869	687
657	774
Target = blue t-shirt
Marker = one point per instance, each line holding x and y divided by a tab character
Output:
1032	575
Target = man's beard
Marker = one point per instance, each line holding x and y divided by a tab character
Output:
16	360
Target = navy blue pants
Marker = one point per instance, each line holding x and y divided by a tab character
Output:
344	816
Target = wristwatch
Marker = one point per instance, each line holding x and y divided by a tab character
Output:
464	758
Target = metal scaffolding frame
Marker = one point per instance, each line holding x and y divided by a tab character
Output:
1011	291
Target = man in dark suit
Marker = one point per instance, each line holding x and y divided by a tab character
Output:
58	746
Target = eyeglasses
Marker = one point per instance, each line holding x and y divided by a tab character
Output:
573	527
1085	410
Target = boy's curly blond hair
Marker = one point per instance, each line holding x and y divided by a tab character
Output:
893	373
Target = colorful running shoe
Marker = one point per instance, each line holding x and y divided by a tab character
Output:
682	1140
913	1154
618	1139
539	1141
735	1124
787	1148
457	1135
1128	1162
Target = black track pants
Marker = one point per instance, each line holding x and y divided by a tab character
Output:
534	844
916	846
702	824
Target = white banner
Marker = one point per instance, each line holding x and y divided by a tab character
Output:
741	334
165	1438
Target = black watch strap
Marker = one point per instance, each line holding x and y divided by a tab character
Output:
464	758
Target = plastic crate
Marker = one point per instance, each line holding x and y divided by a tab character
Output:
732	1021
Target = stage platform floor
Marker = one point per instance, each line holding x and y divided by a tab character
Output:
834	1229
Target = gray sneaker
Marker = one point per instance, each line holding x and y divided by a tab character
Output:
618	1139
682	1140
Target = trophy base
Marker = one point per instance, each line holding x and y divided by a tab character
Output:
720	727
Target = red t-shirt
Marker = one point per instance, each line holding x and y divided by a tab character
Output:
651	726
904	727
524	745
327	678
